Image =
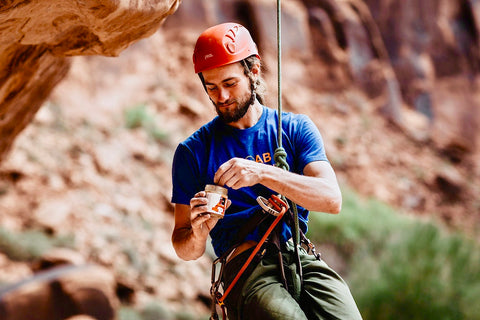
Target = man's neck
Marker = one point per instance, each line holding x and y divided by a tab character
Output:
250	118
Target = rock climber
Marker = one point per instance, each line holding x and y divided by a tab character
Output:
236	150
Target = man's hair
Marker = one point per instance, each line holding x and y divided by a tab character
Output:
259	86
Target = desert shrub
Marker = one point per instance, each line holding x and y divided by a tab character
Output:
128	313
139	117
30	244
155	311
402	267
23	246
420	273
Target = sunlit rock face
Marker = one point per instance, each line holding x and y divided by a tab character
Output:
37	36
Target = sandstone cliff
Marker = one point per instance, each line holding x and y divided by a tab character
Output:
37	36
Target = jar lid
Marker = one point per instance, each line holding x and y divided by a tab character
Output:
216	189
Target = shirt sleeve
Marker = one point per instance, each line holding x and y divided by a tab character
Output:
308	143
184	175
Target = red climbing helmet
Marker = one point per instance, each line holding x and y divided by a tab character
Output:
221	45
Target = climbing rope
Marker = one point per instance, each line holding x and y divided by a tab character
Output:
281	152
280	155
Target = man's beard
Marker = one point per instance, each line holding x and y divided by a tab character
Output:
229	116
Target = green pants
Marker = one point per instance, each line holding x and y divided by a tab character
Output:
261	294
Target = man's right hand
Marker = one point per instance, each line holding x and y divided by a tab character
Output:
200	220
192	226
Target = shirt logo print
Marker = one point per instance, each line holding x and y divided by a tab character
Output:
263	158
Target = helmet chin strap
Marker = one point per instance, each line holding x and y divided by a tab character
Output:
200	75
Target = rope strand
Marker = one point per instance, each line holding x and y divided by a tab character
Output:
279	70
280	155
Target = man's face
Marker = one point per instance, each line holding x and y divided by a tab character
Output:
229	90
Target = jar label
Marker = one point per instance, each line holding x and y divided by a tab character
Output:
216	203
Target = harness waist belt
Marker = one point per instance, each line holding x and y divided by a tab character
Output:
241	248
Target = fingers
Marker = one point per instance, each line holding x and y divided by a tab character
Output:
198	213
231	173
199	219
234	181
237	173
198	207
221	176
199	200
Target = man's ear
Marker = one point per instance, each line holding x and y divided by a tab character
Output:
255	70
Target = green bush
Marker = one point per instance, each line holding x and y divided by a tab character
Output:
139	117
361	222
155	311
127	313
30	244
23	246
402	267
421	273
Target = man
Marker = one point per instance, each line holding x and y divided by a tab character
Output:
235	150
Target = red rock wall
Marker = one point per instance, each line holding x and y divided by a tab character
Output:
36	36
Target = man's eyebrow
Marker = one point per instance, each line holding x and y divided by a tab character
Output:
229	79
223	81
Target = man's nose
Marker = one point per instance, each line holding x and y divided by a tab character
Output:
223	95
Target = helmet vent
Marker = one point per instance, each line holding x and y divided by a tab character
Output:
230	39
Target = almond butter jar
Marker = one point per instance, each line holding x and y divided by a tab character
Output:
217	200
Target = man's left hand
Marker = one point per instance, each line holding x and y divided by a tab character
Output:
237	173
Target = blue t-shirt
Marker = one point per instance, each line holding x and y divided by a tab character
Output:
198	158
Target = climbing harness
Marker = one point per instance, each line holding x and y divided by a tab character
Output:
277	206
274	206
